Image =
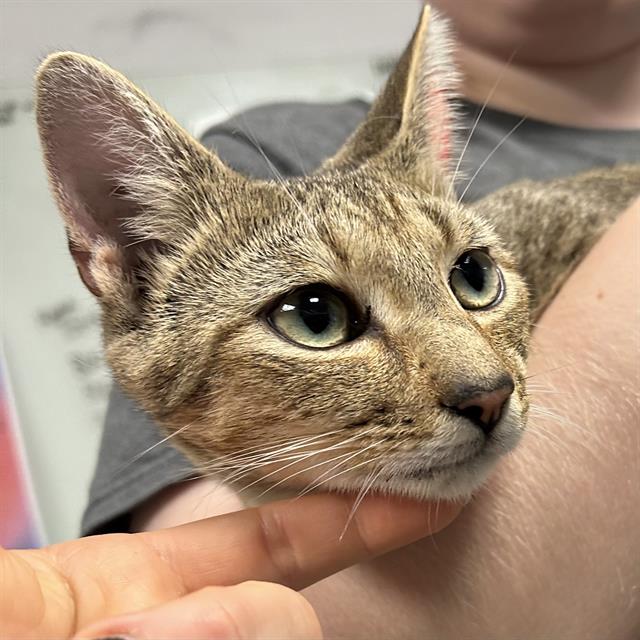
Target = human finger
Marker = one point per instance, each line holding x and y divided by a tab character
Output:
295	542
248	611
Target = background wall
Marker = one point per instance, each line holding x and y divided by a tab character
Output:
201	61
169	37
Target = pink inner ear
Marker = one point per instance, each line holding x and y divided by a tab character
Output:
440	123
83	260
84	163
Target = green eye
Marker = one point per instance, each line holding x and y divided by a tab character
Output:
316	316
476	281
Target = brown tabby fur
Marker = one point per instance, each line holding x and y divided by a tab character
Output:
184	256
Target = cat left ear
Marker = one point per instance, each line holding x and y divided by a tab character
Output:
409	127
124	174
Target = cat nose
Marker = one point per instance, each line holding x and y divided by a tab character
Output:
482	405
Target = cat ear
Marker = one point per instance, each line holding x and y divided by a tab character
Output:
409	127
120	168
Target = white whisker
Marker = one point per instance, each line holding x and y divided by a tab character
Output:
547	371
297	473
153	446
368	483
477	120
250	134
318	482
260	450
484	162
301	457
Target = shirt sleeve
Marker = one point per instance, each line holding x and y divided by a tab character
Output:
267	142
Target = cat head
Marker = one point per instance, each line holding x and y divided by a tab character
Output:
354	327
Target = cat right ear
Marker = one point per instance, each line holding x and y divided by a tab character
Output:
124	174
409	128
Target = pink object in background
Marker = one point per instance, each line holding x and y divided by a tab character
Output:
19	521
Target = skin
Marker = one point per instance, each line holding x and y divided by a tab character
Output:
211	578
575	63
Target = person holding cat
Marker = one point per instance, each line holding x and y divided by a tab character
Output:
506	567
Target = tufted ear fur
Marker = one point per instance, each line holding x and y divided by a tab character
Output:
409	126
120	168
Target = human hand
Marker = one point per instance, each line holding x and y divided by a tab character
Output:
232	576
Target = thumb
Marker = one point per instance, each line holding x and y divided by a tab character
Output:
247	611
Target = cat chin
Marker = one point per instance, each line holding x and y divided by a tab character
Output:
454	482
458	482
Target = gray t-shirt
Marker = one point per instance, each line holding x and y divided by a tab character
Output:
296	138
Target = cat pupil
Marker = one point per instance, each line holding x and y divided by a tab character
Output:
315	312
474	273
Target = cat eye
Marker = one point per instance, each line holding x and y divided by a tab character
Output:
316	316
476	281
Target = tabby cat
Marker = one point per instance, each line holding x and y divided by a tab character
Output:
357	328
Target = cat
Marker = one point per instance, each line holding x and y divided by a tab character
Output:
354	329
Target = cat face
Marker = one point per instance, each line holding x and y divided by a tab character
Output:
380	401
356	327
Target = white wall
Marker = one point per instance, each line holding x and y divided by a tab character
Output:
176	37
201	60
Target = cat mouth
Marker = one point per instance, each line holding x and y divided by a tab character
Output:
457	479
425	470
428	471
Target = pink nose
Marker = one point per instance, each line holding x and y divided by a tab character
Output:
483	407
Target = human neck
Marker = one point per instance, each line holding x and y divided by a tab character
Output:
603	94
